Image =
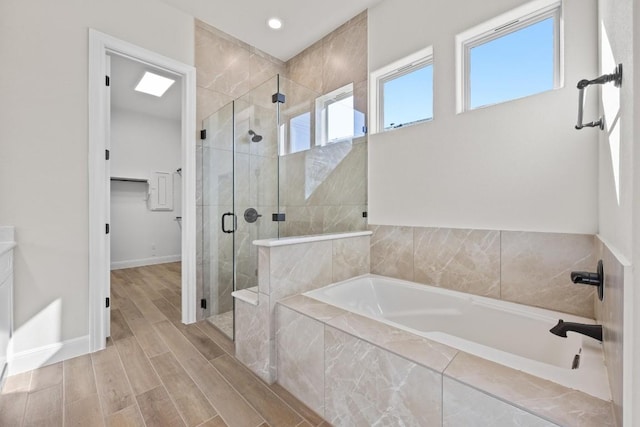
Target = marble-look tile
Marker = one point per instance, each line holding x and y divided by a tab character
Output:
300	357
302	220
466	406
221	64
264	270
365	385
252	330
345	218
217	186
207	103
463	260
425	352
335	174
544	398
219	126
345	56
536	270
351	257
392	251
312	308
300	268
610	313
306	67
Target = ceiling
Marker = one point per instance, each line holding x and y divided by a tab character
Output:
125	75
305	22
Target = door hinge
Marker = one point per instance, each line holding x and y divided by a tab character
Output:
203	134
107	228
107	154
108	302
107	81
278	217
203	303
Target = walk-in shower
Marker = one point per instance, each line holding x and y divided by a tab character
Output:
261	157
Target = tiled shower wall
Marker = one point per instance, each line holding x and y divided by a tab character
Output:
523	267
324	190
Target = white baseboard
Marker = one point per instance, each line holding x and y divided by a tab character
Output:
145	261
35	358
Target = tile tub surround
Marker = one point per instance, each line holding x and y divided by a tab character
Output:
529	268
288	267
462	389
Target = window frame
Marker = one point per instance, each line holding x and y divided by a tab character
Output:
397	69
322	114
503	25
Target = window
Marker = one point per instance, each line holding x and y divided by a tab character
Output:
512	56
300	133
335	116
402	92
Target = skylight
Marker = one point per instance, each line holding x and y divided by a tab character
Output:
154	84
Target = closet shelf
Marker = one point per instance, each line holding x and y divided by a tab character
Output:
129	179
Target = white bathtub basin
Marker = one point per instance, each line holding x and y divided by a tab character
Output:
512	334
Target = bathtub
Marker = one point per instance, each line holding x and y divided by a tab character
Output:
511	334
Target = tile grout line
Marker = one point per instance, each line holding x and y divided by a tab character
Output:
264	384
135	398
95	383
162	382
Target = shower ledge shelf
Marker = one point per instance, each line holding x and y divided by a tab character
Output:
269	243
250	297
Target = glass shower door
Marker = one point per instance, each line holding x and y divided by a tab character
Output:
255	178
216	203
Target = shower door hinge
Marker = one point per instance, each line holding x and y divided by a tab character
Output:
203	303
107	81
278	217
108	303
365	214
203	134
106	229
278	97
106	154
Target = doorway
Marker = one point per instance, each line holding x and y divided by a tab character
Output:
168	187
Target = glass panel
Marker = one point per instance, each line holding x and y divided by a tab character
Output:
255	178
408	98
518	64
322	187
216	200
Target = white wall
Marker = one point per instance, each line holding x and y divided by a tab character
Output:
616	142
632	292
43	146
520	165
619	171
140	145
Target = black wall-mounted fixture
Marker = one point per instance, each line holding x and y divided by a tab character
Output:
615	77
593	279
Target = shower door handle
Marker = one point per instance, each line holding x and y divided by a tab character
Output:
235	222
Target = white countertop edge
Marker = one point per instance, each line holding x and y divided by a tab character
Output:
269	243
246	296
6	246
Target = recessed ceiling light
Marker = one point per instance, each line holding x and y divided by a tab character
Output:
274	23
154	84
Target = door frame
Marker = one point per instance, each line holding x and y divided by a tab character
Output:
100	45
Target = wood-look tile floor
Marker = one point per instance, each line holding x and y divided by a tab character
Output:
155	371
